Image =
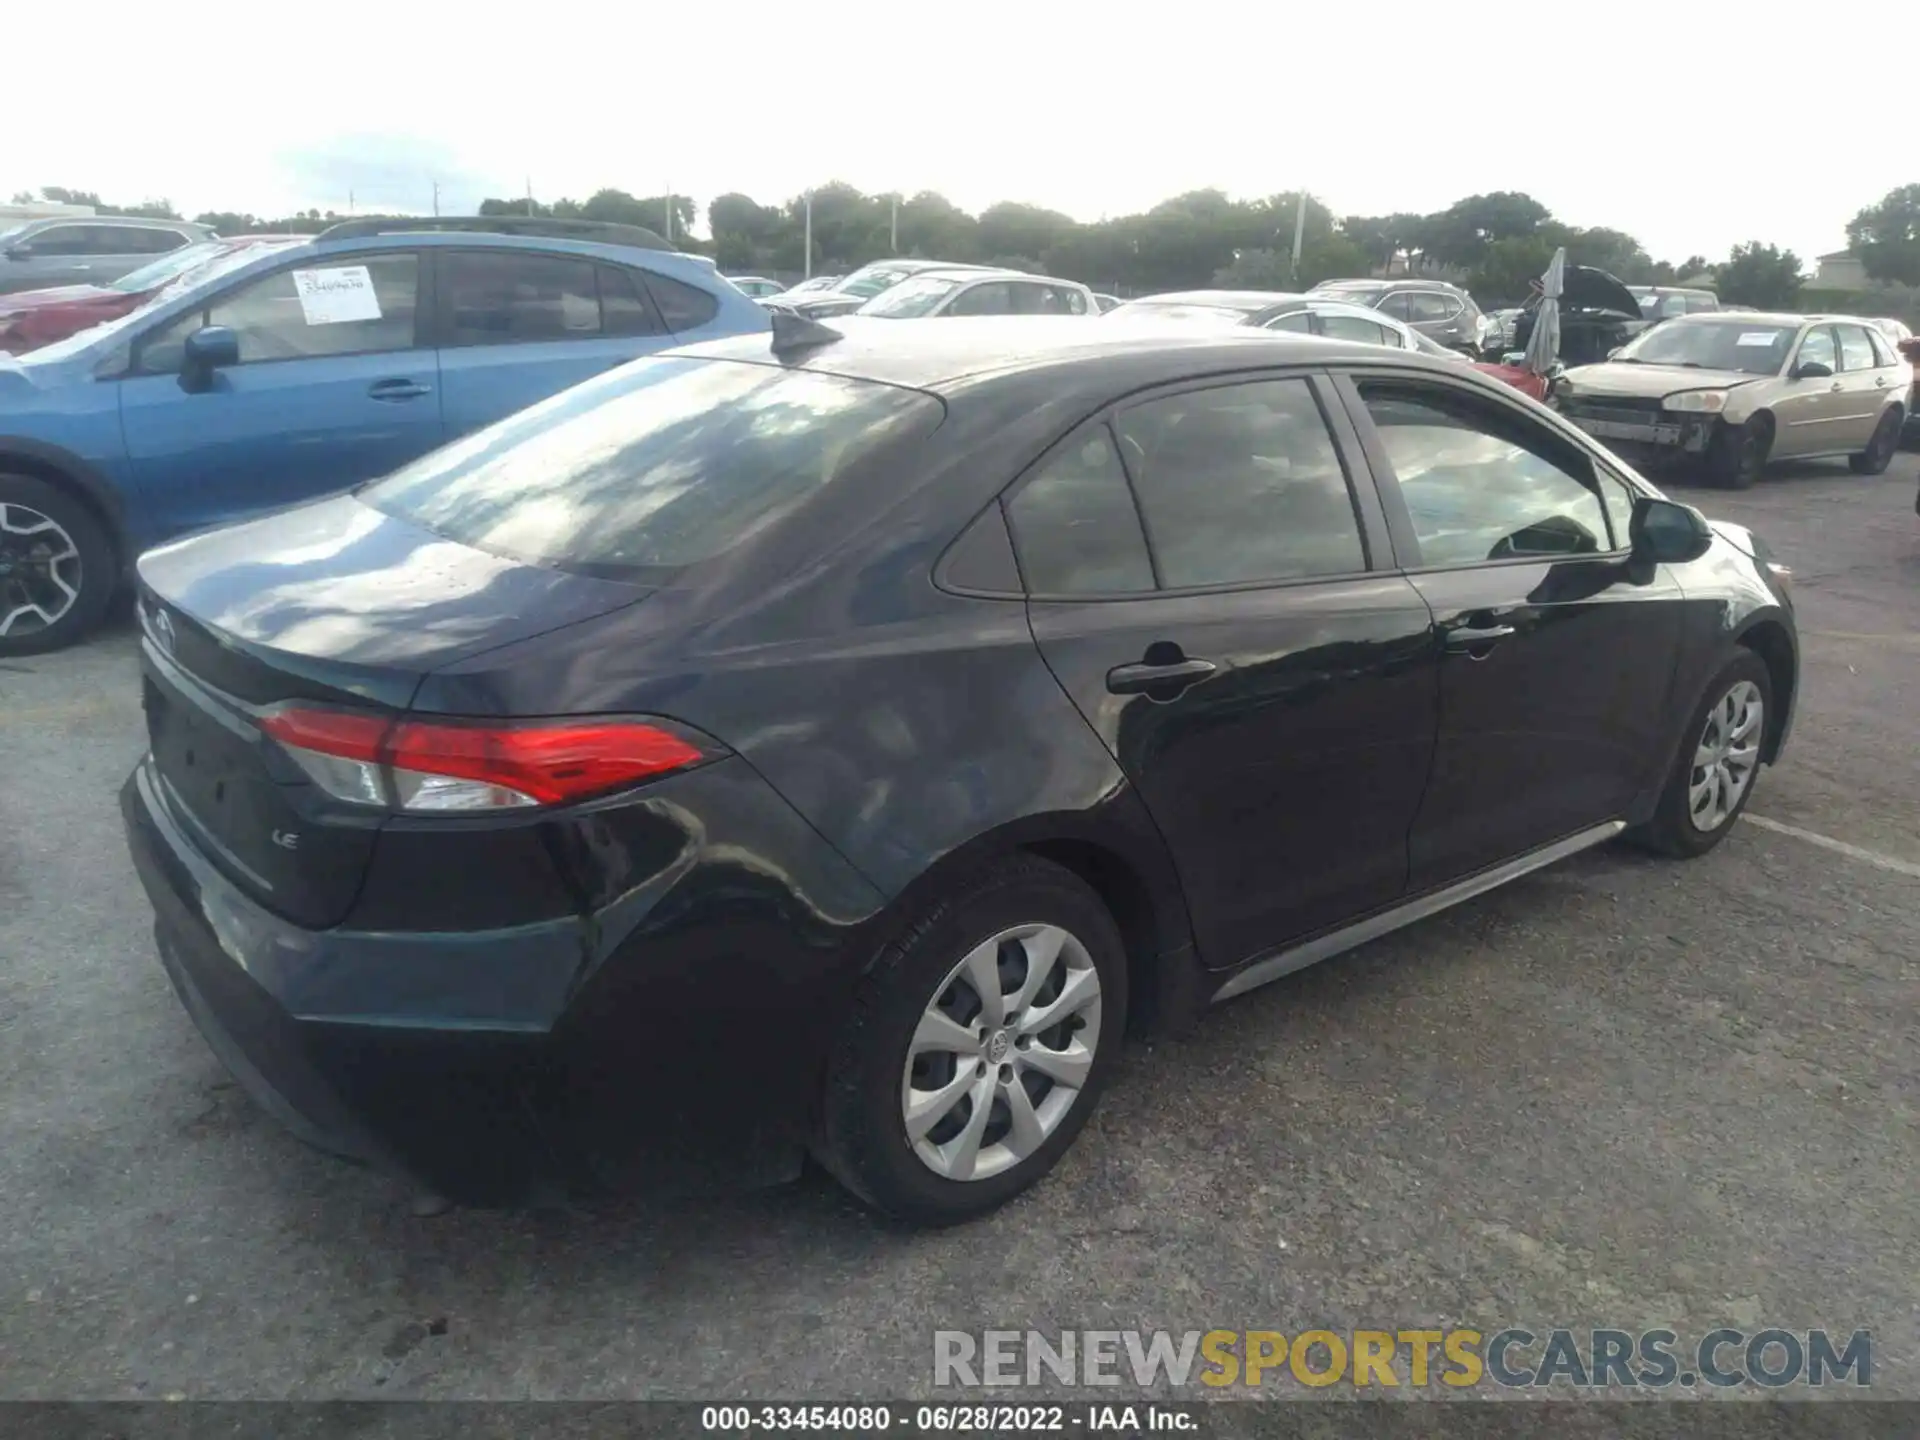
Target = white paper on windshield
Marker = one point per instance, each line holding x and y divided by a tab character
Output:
1758	337
337	296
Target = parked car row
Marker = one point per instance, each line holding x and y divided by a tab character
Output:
86	250
278	372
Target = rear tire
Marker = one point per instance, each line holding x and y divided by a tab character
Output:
1739	453
1682	827
56	567
914	1039
1879	452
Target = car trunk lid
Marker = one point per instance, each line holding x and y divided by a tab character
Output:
335	605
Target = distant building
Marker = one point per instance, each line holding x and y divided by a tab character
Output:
1842	270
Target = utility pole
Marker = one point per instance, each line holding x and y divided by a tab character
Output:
436	198
1299	233
529	197
894	230
669	215
808	275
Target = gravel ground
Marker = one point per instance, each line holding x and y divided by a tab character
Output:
1620	1092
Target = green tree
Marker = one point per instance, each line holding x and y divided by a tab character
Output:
1760	275
1886	236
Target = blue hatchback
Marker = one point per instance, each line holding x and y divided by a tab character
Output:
304	370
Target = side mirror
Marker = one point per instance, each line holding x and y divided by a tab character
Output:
20	252
207	350
1812	370
1614	353
1667	532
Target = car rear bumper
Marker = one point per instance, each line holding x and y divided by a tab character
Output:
682	1056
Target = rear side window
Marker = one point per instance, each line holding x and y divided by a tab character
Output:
151	241
681	306
1075	524
500	297
1352	327
654	466
625	308
1856	350
1240	484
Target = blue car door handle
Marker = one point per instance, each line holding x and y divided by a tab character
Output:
398	390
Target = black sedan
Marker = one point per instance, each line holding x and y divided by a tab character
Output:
833	745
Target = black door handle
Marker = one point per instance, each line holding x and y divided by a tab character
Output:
1166	680
1465	639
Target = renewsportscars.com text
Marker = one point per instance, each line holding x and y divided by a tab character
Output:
1515	1357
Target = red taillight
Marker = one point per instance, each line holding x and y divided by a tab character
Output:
431	765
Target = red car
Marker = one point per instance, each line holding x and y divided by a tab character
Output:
32	318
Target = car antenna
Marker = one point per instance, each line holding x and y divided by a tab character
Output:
794	332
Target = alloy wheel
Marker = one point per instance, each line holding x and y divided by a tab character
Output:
39	571
1726	757
1002	1052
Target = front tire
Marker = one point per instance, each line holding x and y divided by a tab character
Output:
977	1046
1718	765
1740	453
56	567
1879	452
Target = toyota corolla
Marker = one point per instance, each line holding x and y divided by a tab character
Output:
836	743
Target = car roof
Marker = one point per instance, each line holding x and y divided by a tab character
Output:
1248	300
1752	317
938	355
147	220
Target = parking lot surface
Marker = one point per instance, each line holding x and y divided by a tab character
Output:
1621	1092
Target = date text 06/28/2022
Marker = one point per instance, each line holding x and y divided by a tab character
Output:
1513	1357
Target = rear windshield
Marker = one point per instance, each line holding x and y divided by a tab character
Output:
653	467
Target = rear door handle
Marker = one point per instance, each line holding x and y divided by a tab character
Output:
398	390
1465	639
1172	677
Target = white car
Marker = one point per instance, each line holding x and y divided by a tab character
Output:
1302	314
981	292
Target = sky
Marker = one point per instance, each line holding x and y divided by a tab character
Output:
1675	122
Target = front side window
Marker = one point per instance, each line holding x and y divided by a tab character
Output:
1856	350
340	305
911	299
1240	484
1481	485
991	299
1428	306
651	467
1397	305
64	240
1300	322
1075	525
1818	349
500	297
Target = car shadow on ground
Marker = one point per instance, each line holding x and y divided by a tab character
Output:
1166	1098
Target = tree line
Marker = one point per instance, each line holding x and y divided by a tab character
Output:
1495	244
